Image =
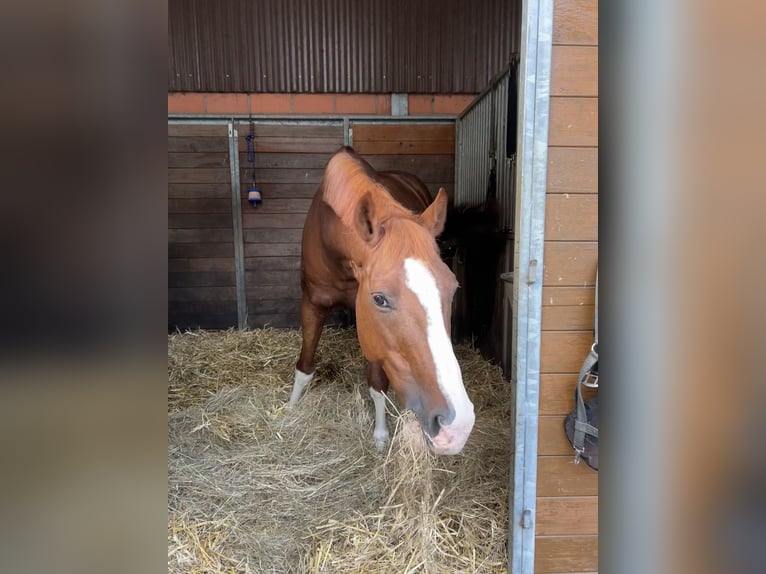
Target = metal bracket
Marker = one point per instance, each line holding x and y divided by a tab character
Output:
532	278
526	519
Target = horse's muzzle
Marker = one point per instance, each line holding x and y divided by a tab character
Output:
452	438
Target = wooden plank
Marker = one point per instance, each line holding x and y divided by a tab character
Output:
294	145
199	221
432	147
199	190
574	71
274	306
272	250
216	294
198	130
256	280
556	393
193	321
427	167
261	236
295	131
257	291
277	205
551	439
570	263
568	318
275	263
197	250
295	175
199	205
571	217
575	22
572	170
286	160
566	554
410	162
564	351
201	307
259	282
198	144
200	236
573	122
198	175
401	132
253	220
276	320
198	159
560	476
569	296
282	190
567	516
201	264
209	279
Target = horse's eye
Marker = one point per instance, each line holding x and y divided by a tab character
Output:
380	301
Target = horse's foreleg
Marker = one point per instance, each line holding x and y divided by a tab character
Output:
378	386
312	320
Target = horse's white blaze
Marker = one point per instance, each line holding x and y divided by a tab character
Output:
448	376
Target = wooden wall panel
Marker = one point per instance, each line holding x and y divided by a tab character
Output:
566	554
568	318
562	516
572	170
573	122
570	263
201	281
560	476
575	22
571	217
567	503
564	351
574	71
569	296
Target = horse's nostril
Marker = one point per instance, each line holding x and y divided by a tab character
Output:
434	425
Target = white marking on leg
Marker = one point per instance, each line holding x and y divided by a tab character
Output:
448	376
301	380
380	434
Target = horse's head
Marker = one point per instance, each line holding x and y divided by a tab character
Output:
404	303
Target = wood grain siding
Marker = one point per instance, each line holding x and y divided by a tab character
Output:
428	151
560	554
289	163
567	503
200	237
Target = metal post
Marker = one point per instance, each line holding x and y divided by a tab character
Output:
536	32
236	218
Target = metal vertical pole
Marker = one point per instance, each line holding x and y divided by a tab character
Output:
236	218
531	178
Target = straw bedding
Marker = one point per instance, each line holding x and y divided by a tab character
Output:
253	487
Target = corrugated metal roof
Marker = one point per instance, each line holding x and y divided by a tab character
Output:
413	46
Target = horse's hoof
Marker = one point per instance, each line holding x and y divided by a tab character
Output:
381	442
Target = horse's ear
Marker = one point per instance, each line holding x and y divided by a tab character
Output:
346	175
367	221
435	215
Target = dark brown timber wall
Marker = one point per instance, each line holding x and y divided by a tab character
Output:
290	160
201	285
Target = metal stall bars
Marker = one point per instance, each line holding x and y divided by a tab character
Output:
486	150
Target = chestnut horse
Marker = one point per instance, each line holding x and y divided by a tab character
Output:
366	247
